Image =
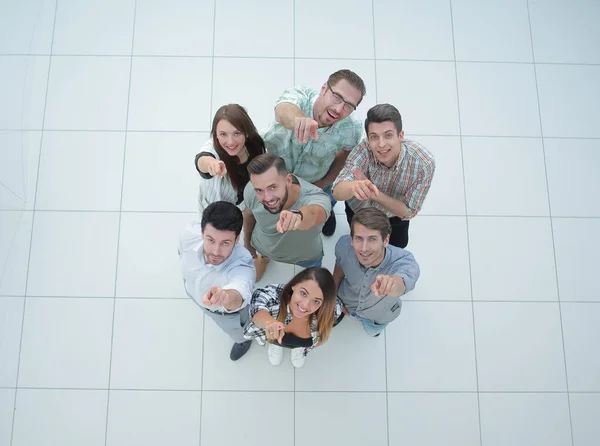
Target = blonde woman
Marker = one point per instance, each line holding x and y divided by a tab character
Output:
298	315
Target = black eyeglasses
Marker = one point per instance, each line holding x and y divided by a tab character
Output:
337	99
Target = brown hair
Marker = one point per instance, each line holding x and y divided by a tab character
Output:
237	116
373	219
264	162
382	113
352	78
326	313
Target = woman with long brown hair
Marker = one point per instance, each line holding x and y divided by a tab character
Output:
298	315
224	158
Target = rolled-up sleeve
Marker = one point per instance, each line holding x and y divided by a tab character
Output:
415	196
264	299
297	95
407	268
243	278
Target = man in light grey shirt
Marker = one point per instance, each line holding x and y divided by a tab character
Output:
218	273
283	216
371	275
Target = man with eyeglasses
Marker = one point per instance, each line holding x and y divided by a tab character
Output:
314	131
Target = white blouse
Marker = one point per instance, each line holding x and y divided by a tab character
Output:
216	188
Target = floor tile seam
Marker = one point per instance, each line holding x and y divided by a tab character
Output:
12	429
118	244
552	233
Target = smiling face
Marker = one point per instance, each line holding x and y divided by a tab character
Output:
231	139
306	298
368	245
385	142
218	245
335	103
271	189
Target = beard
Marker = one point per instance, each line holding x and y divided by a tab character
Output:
281	204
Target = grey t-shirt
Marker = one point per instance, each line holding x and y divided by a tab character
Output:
292	246
355	289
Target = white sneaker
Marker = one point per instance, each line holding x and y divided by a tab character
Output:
298	357
275	354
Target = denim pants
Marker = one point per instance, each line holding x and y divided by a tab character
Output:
309	263
327	190
370	327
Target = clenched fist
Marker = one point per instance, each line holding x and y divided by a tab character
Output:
288	221
274	331
364	190
385	285
305	128
217	168
218	297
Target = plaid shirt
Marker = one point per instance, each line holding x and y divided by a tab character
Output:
267	299
311	161
408	180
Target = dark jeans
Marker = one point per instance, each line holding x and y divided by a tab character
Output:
399	235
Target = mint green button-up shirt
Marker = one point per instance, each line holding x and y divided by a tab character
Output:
311	161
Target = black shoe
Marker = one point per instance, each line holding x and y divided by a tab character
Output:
329	226
376	335
239	350
339	319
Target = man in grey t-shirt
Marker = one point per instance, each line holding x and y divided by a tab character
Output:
283	216
371	275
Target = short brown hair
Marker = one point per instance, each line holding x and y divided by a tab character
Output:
264	162
382	113
373	219
352	78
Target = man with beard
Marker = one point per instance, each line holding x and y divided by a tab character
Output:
218	273
315	130
283	217
370	274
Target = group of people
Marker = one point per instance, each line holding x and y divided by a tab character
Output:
269	195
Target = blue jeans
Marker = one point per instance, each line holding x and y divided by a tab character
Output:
370	327
304	264
309	263
327	190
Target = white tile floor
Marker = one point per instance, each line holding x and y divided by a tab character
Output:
99	345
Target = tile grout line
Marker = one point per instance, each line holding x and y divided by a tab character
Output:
112	332
294	48
437	135
187	56
294	83
212	86
462	157
374	392
294	78
212	67
387	404
12	429
155	211
562	330
375	67
167	298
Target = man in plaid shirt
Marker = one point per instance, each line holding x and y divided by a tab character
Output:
386	172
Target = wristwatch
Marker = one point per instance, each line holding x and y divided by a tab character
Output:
299	212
